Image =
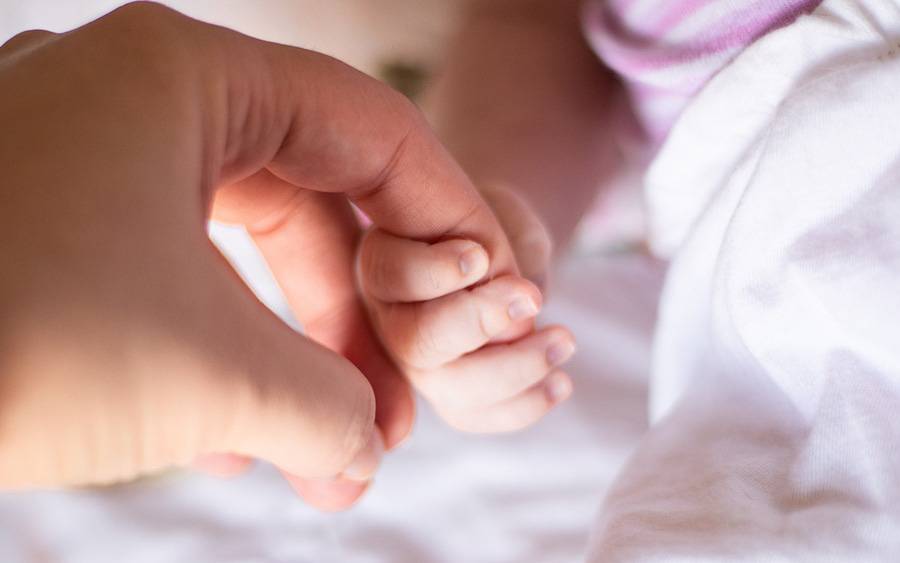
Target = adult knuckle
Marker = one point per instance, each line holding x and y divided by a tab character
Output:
146	11
359	421
155	37
342	436
23	38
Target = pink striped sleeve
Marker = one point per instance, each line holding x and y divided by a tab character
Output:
666	50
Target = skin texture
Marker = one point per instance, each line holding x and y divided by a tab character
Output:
127	344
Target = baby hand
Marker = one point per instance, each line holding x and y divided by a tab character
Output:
465	342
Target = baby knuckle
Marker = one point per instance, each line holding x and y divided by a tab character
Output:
351	431
433	278
425	349
373	266
443	391
427	382
412	346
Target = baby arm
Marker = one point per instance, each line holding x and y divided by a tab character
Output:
523	102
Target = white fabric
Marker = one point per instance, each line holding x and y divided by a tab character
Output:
776	379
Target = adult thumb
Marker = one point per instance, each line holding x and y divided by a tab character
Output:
285	398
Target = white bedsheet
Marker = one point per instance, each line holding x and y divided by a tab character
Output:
776	374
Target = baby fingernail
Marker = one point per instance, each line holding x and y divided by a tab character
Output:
363	466
522	308
471	260
560	352
558	387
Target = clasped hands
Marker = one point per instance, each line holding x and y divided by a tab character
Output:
128	344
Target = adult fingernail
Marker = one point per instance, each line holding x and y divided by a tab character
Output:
559	352
522	308
364	465
558	387
473	259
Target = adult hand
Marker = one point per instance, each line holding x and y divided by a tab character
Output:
127	344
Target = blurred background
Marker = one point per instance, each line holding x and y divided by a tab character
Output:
366	34
528	497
